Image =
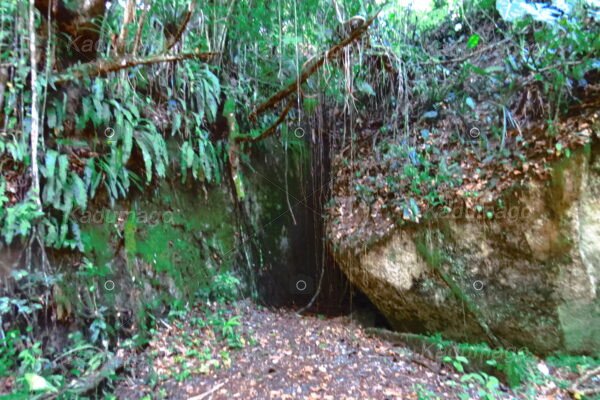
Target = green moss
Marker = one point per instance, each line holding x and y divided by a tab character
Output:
97	242
580	323
129	237
186	241
157	249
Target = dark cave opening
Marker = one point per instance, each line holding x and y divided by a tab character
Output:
300	271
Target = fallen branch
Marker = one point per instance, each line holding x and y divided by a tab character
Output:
269	131
207	393
88	383
103	67
182	27
576	389
311	69
493	46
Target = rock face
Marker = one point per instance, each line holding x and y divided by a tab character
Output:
528	277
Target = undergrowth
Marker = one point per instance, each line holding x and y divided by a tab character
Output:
34	370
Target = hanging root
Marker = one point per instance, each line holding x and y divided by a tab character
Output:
311	69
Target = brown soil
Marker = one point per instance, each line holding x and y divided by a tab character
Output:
287	356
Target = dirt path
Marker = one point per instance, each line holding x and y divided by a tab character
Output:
289	357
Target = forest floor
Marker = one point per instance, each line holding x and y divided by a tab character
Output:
282	355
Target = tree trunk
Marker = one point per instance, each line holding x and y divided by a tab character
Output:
35	113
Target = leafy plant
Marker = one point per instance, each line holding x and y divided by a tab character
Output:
225	287
457	362
8	349
488	385
16	220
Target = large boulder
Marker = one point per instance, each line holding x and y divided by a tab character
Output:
527	277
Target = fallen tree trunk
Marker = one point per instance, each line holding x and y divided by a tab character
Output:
311	69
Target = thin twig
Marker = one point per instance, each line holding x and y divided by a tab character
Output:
582	379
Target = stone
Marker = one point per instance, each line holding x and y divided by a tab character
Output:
530	275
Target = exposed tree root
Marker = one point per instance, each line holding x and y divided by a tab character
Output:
470	306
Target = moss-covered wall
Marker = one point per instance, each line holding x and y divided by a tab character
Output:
154	252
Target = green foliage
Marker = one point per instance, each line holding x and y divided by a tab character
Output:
488	385
572	363
457	362
36	375
227	327
18	219
512	367
111	137
421	176
225	287
424	394
473	41
8	351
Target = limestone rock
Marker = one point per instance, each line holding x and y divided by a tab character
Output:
530	274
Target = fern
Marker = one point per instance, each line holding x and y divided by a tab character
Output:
205	90
17	220
201	157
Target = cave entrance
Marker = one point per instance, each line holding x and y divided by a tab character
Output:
296	268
